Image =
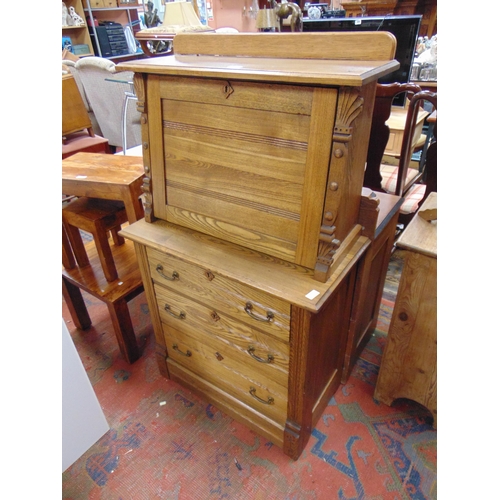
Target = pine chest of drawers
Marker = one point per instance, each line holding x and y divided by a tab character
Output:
258	337
254	148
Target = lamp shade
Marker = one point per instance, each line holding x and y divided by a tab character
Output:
180	13
266	18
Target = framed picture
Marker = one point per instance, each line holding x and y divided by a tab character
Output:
66	44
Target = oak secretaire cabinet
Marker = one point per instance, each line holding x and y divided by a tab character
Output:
261	139
254	149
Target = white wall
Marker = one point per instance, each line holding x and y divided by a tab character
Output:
83	421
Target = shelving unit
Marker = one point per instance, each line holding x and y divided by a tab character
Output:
112	10
79	35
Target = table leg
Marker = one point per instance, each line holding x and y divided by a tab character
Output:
133	207
124	331
77	244
76	305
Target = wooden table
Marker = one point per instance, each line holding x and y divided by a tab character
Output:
109	177
409	363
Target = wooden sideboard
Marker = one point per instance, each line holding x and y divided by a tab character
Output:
254	149
409	363
369	8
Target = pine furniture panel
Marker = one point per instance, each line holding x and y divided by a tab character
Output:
409	363
306	364
259	146
254	151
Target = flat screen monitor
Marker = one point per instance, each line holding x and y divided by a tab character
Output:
404	28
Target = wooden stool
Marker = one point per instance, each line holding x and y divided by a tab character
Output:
115	295
97	217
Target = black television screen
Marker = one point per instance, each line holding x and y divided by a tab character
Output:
404	28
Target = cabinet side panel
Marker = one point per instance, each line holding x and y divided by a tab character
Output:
156	147
328	339
160	347
316	174
349	157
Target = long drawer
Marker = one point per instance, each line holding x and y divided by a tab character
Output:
258	352
221	367
246	304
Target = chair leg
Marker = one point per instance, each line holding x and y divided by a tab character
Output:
68	259
104	252
77	245
117	239
76	305
124	330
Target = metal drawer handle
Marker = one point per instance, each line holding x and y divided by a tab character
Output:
248	309
175	274
181	315
187	353
270	400
251	350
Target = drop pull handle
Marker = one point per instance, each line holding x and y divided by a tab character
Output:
251	350
270	400
175	274
181	315
187	353
249	310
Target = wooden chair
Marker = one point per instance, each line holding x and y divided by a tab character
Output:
77	131
413	184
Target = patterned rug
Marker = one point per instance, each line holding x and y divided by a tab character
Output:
167	443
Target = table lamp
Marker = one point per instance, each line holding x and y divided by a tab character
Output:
179	17
180	14
266	20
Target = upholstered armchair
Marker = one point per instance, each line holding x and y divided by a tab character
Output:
106	91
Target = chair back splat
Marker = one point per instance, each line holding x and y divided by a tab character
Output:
400	177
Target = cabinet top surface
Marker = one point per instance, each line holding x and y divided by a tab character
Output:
306	58
421	235
292	283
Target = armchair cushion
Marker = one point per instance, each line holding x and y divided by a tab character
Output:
389	175
412	198
415	193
